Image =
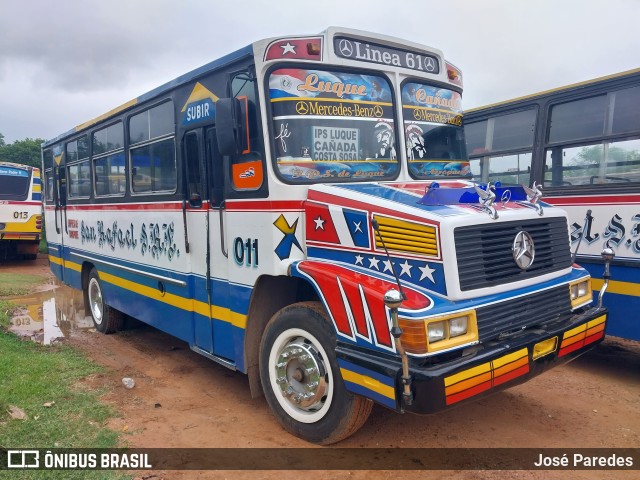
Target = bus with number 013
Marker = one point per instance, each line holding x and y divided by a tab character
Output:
20	211
302	211
581	144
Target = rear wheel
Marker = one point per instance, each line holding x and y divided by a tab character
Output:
105	318
301	378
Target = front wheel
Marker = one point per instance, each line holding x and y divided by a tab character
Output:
105	318
301	378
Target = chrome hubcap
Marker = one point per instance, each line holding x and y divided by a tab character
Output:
95	300
301	376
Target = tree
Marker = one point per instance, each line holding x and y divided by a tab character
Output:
24	152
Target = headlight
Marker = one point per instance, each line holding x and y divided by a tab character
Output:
437	331
458	326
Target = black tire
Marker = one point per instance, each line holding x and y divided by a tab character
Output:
105	318
301	378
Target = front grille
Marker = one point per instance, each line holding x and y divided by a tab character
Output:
527	311
485	256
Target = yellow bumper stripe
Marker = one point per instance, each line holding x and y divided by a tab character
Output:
368	383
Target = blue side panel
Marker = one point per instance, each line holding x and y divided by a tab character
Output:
624	310
139	296
362	389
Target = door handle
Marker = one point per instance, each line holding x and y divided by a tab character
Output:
223	247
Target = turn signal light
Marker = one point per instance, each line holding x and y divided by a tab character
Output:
454	74
580	292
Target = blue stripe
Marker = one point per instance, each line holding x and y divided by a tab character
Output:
217	336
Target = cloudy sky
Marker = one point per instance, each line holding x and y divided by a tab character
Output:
64	62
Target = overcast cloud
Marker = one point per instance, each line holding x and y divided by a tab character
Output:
65	62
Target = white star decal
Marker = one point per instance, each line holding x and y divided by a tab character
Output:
406	268
319	223
387	266
427	272
288	48
357	227
373	263
359	259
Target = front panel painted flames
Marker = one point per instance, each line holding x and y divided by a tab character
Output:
355	302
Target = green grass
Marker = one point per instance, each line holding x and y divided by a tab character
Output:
31	375
18	283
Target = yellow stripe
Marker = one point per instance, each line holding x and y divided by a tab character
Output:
597	321
575	331
37	189
122	107
466	384
56	260
24	227
72	265
413	107
622	288
190	305
472	372
510	366
512	357
368	383
65	263
320	99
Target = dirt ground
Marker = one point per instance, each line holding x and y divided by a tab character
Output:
182	399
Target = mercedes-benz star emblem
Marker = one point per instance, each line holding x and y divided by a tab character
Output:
302	108
346	48
506	197
523	250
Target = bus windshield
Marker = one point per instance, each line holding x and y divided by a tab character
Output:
332	126
433	132
14	183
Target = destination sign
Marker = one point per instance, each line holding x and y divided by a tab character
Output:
370	52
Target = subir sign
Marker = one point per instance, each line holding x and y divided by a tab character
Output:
335	143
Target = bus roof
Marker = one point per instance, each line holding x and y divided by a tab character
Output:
544	93
181	80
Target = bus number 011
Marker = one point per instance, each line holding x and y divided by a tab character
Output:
245	252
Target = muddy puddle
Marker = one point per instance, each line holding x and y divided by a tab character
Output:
49	316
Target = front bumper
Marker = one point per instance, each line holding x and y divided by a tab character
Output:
494	367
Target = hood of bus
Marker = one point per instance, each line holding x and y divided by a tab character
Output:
436	201
418	228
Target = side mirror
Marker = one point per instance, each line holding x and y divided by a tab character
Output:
230	126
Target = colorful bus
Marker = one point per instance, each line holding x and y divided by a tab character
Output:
581	143
20	211
302	211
